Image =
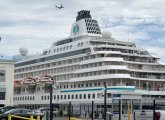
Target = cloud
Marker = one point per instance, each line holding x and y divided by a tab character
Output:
36	24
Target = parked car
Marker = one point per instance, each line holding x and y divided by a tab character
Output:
44	109
18	112
4	109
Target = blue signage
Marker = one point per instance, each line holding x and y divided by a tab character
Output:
117	95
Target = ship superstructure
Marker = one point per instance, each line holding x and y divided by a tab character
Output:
82	64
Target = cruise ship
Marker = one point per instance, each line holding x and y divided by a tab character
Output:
82	65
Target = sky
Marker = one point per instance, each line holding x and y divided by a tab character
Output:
36	24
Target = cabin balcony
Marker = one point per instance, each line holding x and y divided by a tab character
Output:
47	88
17	90
31	89
148	77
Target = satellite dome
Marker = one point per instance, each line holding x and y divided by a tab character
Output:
107	35
23	51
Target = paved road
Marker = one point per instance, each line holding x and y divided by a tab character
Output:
59	118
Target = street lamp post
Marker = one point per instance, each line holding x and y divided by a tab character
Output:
51	92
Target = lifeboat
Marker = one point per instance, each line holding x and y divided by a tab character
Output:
29	81
46	79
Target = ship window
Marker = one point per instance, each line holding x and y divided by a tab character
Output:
71	86
80	96
58	97
104	83
84	96
78	45
48	97
76	96
82	85
87	85
54	97
45	97
61	49
70	46
72	96
93	96
89	96
61	97
98	83
68	96
95	84
64	48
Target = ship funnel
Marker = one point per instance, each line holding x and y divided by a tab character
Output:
85	25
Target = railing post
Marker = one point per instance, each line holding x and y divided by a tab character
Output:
69	109
9	117
105	101
119	109
51	105
80	109
154	109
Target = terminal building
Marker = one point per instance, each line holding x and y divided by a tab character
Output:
6	81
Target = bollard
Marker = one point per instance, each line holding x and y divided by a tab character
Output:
31	117
38	117
9	117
